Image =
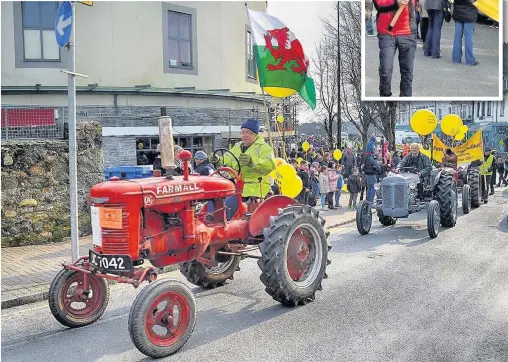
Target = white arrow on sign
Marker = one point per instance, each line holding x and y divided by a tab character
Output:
62	24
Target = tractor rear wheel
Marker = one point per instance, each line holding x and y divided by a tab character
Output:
363	217
210	278
386	220
466	199
446	196
71	305
473	180
294	255
162	318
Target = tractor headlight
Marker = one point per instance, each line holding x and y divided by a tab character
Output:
377	187
412	185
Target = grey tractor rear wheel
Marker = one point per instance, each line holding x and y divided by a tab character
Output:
466	199
446	196
210	278
433	219
473	180
363	217
294	255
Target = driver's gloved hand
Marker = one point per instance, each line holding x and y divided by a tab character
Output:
245	160
214	159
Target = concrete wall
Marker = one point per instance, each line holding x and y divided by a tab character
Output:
35	192
124	47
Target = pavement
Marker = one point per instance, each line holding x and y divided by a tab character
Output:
392	295
441	77
27	271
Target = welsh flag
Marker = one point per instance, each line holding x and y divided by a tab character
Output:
279	56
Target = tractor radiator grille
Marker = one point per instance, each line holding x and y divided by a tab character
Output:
393	196
116	241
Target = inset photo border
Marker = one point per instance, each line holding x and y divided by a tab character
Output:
435	78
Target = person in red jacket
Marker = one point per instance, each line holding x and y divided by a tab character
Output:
401	38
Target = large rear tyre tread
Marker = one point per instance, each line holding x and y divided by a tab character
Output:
199	275
59	311
445	189
137	322
273	262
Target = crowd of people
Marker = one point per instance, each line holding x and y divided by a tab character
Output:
324	177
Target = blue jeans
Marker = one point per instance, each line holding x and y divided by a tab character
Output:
337	198
465	30
433	39
323	200
369	27
371	192
315	189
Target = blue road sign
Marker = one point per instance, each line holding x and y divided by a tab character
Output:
63	23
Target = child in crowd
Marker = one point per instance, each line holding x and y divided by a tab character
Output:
324	186
354	186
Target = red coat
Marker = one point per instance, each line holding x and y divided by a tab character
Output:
386	10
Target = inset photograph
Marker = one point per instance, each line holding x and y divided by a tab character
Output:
432	49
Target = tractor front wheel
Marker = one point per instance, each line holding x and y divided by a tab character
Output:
446	195
433	218
162	318
466	199
73	306
473	180
294	255
363	217
203	276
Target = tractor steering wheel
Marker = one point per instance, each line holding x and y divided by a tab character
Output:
410	169
220	152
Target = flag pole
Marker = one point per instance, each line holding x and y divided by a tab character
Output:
267	121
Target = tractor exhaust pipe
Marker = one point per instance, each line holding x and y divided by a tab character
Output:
167	143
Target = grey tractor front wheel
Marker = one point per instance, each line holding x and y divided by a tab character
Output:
363	217
466	199
433	218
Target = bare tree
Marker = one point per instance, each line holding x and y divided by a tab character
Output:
326	83
360	114
385	119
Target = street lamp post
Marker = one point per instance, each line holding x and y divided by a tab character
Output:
339	123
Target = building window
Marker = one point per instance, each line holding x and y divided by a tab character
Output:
146	150
501	111
179	39
249	57
489	109
34	35
478	110
440	113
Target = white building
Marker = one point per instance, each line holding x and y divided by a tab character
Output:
195	58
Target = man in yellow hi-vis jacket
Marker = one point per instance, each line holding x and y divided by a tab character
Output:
486	173
256	160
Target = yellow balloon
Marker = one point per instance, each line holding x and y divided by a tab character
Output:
285	172
279	92
305	146
337	154
463	129
460	136
299	160
423	122
450	124
292	187
279	161
280	118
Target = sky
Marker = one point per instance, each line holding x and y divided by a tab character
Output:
303	19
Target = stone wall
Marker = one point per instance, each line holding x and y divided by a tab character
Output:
35	192
119	151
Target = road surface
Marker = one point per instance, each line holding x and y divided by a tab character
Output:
393	295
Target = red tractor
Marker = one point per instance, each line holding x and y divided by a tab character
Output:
155	219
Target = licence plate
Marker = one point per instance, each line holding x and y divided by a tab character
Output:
110	263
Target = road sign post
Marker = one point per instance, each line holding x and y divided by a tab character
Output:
65	31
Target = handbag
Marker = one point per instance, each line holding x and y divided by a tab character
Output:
447	15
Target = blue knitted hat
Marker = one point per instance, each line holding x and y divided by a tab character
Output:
251	124
370	147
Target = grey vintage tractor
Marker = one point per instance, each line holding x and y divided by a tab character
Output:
405	193
468	185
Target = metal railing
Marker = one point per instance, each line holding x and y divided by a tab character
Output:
32	122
